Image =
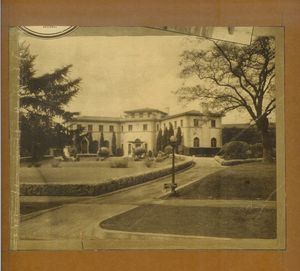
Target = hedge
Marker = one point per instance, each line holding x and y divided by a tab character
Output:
97	189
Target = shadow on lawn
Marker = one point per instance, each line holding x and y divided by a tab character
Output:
253	181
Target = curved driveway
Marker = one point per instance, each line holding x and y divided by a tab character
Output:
80	220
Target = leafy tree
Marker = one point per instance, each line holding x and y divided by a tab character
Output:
42	106
233	77
114	144
159	140
101	142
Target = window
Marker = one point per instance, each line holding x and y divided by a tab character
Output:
130	128
196	123
181	123
132	115
111	128
79	126
157	127
145	127
175	124
122	128
213	143
149	114
196	142
129	148
90	127
100	128
213	123
141	115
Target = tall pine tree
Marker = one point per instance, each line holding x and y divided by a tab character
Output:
114	144
165	138
171	130
101	142
42	106
159	141
178	138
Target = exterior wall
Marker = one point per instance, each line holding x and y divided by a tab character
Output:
155	121
204	132
138	133
106	132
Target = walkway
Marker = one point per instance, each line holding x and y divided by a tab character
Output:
80	220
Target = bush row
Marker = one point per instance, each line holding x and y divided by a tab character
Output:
241	150
96	189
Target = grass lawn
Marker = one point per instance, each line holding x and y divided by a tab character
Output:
201	221
253	181
86	171
30	207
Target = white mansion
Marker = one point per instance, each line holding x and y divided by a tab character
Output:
140	128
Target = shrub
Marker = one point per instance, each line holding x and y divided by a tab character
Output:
168	149
119	163
256	150
149	163
139	152
119	152
235	150
103	152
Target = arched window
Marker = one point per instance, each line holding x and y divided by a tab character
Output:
196	142
213	142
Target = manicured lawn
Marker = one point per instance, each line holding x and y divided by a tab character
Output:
254	181
85	171
202	221
30	207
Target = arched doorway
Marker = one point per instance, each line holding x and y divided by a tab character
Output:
137	143
196	143
213	142
85	144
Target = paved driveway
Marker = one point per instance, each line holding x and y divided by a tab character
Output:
80	220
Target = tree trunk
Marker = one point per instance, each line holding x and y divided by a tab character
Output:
263	127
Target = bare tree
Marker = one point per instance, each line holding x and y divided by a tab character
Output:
234	77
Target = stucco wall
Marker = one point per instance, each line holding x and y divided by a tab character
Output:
205	132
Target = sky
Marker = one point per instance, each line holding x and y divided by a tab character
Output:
121	72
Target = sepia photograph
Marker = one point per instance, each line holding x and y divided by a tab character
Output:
147	138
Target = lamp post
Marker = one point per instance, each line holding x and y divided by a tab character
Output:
173	184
